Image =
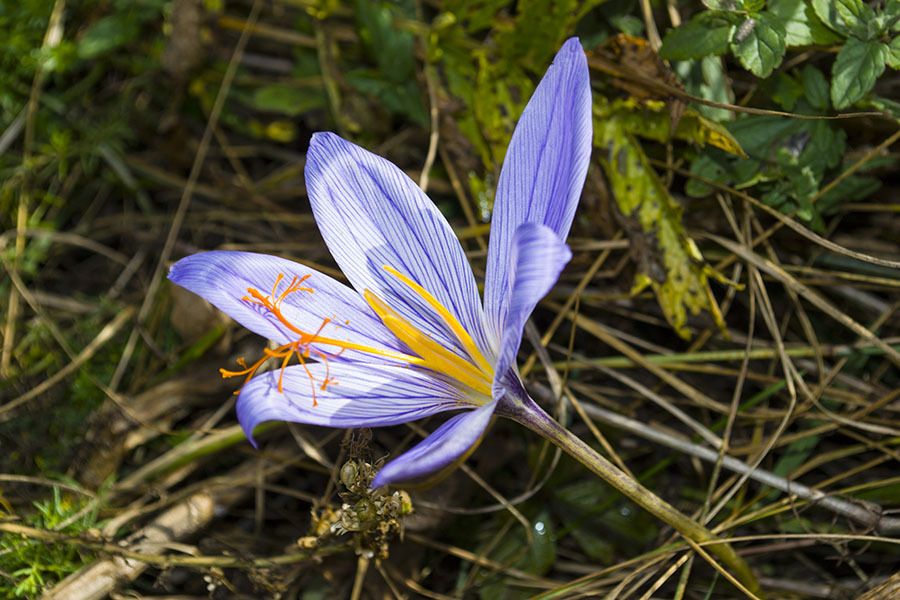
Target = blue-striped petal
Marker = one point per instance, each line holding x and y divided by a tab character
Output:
372	215
536	259
544	169
223	279
446	444
354	395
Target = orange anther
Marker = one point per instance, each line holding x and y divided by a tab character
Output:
302	346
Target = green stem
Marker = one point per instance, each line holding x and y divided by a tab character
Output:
528	413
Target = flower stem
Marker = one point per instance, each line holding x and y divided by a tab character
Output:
526	412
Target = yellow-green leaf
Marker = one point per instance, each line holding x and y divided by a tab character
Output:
651	119
668	260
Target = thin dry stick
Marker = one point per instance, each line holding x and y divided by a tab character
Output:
722	571
186	194
485	486
61	237
790	374
480	560
362	567
662	579
570	301
99	579
462	197
29	298
12	131
857	165
596	61
698	428
47	483
859	514
433	114
604	334
650	24
814	298
742	233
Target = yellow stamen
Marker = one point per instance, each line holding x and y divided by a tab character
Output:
435	356
458	330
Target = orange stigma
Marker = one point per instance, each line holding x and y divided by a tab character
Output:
471	369
302	347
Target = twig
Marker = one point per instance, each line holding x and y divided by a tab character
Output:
598	62
782	219
683	358
430	83
867	517
145	547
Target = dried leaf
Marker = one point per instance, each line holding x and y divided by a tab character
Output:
652	120
636	58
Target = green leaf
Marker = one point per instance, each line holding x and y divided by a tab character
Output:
856	15
784	89
651	119
852	18
723	5
892	15
891	107
804	185
759	44
816	87
802	26
705	77
796	454
707	33
849	189
399	98
893	55
826	147
758	133
290	101
515	550
391	47
754	6
857	67
711	166
107	34
827	11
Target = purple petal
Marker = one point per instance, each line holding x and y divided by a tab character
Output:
355	395
446	444
223	278
372	215
544	170
537	258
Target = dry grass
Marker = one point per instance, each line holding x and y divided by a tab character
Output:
781	435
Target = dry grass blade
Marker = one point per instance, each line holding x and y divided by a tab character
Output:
869	517
105	335
814	298
188	191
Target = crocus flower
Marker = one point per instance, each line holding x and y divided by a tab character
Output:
410	338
